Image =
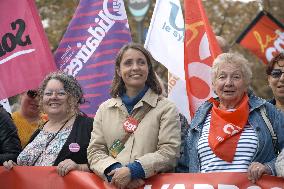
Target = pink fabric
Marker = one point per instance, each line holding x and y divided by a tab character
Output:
25	56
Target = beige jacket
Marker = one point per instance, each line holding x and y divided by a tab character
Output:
155	143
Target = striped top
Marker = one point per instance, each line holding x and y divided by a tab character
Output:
245	151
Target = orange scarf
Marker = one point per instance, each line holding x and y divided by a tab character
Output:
226	128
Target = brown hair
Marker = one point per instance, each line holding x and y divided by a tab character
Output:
118	86
274	61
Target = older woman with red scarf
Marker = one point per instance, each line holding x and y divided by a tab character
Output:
229	133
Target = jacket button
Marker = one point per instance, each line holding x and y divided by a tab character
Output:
257	128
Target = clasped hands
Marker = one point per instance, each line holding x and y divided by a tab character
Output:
121	178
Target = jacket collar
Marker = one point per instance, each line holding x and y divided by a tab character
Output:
255	102
150	98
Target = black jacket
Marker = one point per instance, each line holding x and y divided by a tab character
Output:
10	145
80	134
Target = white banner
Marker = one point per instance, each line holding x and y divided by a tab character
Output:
6	104
165	40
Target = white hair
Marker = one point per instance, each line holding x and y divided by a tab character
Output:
232	58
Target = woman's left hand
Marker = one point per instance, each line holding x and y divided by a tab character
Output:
121	177
256	170
66	166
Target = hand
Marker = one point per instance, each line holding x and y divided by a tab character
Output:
121	177
256	170
66	166
136	183
9	164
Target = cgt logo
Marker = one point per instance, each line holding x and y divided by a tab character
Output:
9	41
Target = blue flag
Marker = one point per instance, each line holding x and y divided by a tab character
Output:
98	29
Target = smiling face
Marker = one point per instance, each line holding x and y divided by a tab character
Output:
276	81
229	85
133	70
55	99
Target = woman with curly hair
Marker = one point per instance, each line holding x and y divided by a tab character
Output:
61	141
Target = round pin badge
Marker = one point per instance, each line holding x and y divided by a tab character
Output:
74	147
130	124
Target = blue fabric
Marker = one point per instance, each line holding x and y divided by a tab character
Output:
110	168
189	161
272	101
136	170
131	102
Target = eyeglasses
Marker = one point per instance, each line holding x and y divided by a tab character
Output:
32	93
276	73
59	93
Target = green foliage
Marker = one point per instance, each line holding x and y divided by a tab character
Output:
57	14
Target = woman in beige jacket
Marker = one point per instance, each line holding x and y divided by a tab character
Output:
136	133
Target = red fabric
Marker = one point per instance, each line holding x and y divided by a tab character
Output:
47	178
264	37
200	48
25	56
226	128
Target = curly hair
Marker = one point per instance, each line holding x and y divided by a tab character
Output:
279	57
118	85
71	87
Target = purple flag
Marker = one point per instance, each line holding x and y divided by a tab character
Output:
98	29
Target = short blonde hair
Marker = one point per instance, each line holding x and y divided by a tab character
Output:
232	58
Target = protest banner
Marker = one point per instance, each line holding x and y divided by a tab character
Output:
47	178
165	40
25	56
264	37
98	29
200	49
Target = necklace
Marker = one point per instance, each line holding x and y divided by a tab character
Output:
51	139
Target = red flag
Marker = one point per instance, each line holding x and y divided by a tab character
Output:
264	37
200	48
25	56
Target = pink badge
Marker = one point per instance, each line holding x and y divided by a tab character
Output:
74	147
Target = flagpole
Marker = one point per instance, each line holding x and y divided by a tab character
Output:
140	31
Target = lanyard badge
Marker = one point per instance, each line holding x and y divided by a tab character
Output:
116	147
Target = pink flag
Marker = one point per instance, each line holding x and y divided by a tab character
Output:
25	56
